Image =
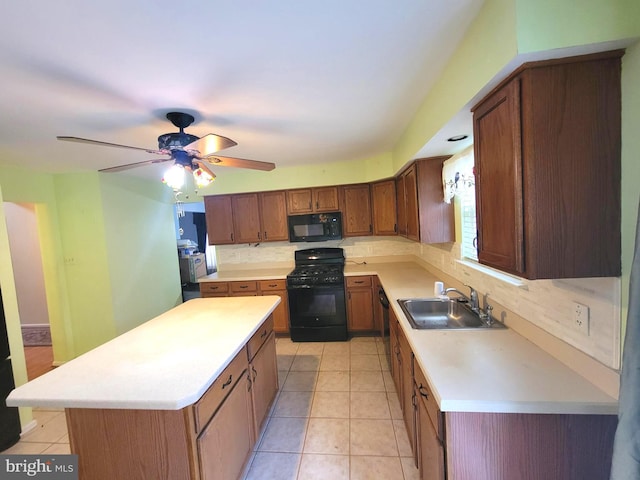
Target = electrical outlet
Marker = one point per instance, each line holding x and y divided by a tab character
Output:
581	317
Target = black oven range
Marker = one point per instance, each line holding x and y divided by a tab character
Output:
317	305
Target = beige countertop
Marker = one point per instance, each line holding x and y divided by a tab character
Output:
475	370
166	363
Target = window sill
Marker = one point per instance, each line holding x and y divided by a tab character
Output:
498	275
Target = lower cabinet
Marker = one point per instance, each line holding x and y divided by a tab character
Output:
505	446
226	442
360	312
209	440
251	288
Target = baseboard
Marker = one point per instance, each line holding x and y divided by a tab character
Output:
36	334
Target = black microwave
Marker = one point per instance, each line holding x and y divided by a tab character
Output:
315	227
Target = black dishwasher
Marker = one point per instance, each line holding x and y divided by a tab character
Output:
384	301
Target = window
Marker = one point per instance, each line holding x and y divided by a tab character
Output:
459	181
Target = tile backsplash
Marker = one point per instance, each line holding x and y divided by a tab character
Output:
548	304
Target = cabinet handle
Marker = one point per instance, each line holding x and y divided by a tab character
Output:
259	237
370	228
255	374
310	205
395	228
228	382
423	392
264	334
273	285
232	237
358	281
317	205
244	286
265	235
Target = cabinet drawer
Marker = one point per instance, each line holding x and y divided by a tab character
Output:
259	337
214	287
426	397
240	287
266	285
364	281
213	397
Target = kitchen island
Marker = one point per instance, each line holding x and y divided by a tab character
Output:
171	398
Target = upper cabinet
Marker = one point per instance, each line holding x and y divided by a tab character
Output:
383	200
246	218
547	160
407	196
219	219
310	200
436	217
356	210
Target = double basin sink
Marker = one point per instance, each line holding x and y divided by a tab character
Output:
444	314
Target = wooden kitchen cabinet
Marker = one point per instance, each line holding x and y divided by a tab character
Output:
243	288
273	216
436	217
407	399
312	200
246	218
219	219
547	160
429	430
226	442
281	313
407	196
384	212
360	311
263	371
356	210
214	289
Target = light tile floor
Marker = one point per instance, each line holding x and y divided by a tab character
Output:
336	416
49	436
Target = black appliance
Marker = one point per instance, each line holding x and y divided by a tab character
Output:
316	227
317	304
384	301
9	418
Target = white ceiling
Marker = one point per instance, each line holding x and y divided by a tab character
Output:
293	82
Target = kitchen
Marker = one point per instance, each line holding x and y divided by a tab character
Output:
92	252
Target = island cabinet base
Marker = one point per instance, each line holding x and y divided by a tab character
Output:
506	446
209	440
131	444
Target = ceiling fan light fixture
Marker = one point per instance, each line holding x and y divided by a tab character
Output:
174	176
203	178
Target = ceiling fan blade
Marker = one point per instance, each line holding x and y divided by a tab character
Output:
119	168
106	144
209	144
240	163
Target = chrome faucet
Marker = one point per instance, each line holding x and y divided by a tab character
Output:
472	299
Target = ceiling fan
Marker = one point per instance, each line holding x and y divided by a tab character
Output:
188	152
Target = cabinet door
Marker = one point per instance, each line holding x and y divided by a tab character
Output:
430	449
273	211
411	193
226	442
219	218
299	201
264	377
498	165
281	313
401	201
356	211
325	199
436	216
407	400
383	195
360	304
246	218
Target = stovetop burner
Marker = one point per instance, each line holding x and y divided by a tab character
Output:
317	266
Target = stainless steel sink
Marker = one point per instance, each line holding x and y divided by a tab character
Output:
443	314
